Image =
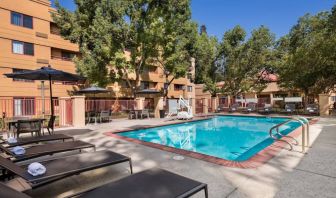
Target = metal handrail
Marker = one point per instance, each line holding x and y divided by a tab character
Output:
306	122
278	133
303	121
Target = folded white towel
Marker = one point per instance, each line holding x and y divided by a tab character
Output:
18	150
11	140
233	109
36	169
249	109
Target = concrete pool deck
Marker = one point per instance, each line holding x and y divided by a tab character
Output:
289	174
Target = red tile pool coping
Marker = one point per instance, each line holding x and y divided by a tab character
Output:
257	160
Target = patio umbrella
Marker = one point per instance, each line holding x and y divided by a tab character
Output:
46	73
93	90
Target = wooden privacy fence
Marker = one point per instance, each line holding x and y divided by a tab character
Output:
114	106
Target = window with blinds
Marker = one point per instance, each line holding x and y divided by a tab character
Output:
19	47
21	20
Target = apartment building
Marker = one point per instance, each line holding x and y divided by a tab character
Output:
29	39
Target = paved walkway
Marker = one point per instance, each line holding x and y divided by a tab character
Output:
290	174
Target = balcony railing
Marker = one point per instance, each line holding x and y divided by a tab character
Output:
61	58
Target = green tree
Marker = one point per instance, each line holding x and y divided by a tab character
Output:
245	60
154	32
174	36
308	55
205	51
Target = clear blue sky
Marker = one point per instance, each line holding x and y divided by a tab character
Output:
221	15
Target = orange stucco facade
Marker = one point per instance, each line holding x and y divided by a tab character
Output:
48	50
45	44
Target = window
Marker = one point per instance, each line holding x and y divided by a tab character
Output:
19	47
189	88
333	98
144	85
54	29
67	55
24	106
178	87
20	80
21	20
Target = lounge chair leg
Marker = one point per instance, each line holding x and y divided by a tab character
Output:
206	191
131	166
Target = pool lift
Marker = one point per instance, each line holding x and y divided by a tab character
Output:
184	115
305	131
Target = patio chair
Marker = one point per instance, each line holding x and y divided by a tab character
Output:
47	149
151	183
38	139
220	109
234	107
28	126
64	167
312	109
144	113
105	115
250	107
131	115
290	108
51	124
91	117
8	192
265	110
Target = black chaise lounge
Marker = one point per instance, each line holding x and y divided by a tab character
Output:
8	192
38	139
153	183
290	108
265	110
47	149
250	107
234	107
59	168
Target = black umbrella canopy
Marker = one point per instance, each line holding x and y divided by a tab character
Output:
47	73
93	89
148	91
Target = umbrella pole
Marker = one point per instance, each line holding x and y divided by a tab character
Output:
43	102
51	103
95	107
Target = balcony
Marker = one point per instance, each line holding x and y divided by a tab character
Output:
61	58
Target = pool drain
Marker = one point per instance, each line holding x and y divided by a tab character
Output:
178	157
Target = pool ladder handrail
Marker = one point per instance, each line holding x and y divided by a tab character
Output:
303	122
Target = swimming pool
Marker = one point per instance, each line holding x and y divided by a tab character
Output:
235	138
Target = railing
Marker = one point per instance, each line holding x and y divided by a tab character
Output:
27	107
109	105
305	125
61	58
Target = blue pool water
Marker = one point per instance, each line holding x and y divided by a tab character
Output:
235	138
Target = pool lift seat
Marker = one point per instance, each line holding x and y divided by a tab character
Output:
184	115
305	131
